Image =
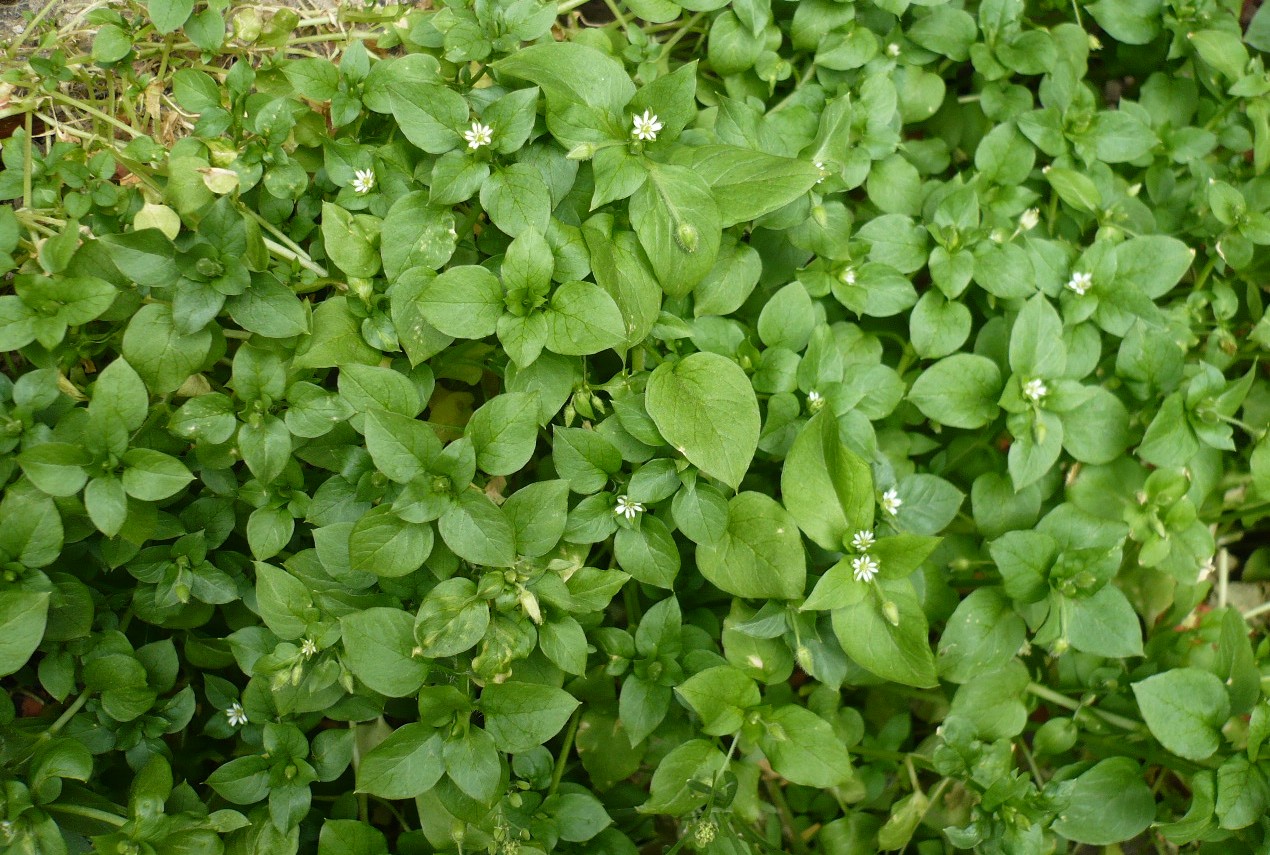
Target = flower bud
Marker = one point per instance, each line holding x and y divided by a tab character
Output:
688	237
891	612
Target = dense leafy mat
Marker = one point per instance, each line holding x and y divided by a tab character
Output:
748	427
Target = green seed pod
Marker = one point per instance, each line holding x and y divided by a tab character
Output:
1055	736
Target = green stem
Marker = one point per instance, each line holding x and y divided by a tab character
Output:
674	40
1061	700
88	813
31	27
787	817
28	165
66	716
93	111
568	6
565	750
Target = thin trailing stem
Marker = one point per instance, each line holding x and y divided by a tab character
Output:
88	813
1062	700
563	757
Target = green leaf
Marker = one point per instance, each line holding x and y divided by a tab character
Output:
1104	624
1243	793
383	544
478	531
351	240
747	184
678	223
1134	22
803	748
571	72
759	555
720	696
283	601
377	649
56	468
429	115
896	651
1185	709
169	15
350	837
1107	804
162	356
959	391
32	531
406	764
464	302
452	619
578	816
336	339
672	789
583	319
1036	341
983	634
120	402
648	553
522	716
472	762
23	615
517	199
152	476
827	488
584	458
504	432
538	513
416	233
705	407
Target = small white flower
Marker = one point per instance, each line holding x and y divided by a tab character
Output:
363	181
1030	218
626	508
1034	390
815	401
864	568
847	276
478	135
891	501
235	714
1080	283
862	540
824	172
893	50
645	127
308	648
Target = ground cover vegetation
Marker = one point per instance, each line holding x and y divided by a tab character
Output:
643	426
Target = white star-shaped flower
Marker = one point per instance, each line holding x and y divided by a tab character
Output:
308	648
824	172
1034	390
1030	218
862	540
847	276
478	135
645	127
893	50
363	181
864	568
1080	283
626	508
891	501
815	401
235	714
